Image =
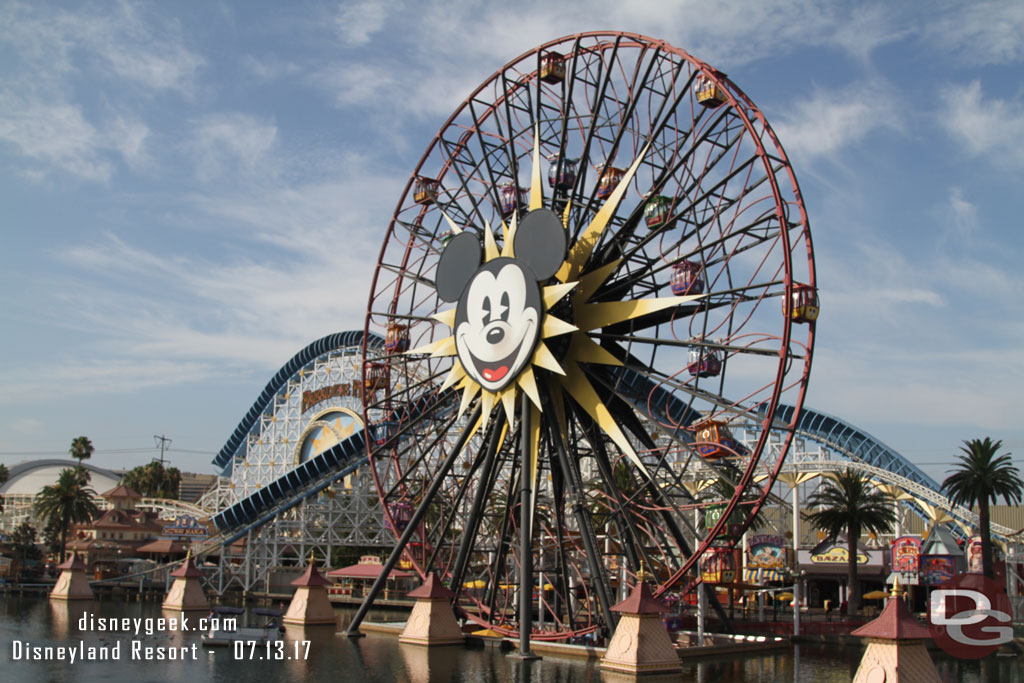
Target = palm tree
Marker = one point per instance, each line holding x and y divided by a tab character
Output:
851	505
67	501
980	477
81	448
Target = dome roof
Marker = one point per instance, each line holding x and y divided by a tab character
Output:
28	478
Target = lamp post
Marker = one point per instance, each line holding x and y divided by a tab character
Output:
798	576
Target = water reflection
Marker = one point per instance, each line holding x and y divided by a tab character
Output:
381	658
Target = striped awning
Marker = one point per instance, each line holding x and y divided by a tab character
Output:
761	576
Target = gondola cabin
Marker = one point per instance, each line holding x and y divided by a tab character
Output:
804	304
562	175
708	93
552	67
383	431
703	362
401	513
397	338
608	181
656	210
713	440
376	377
425	190
512	197
687	278
719	566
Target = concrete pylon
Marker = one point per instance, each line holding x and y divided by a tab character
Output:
186	592
72	584
432	621
310	604
896	647
641	644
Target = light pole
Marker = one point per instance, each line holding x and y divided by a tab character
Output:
798	576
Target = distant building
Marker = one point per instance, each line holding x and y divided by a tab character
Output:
193	486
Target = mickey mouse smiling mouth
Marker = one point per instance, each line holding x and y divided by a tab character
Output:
497	322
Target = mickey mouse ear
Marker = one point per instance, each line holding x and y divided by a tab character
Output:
459	260
540	241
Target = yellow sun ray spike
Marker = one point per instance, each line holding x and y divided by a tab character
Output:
579	387
588	240
536	187
534	454
509	236
441	347
552	327
469	392
543	358
589	283
552	294
528	383
508	402
583	349
455	229
486	405
456	374
490	247
592	316
445	317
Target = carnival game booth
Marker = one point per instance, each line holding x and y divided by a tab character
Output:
825	567
354	579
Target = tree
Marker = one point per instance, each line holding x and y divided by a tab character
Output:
980	478
154	480
69	500
81	448
851	505
5	474
23	543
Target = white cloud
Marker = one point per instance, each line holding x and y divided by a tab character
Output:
57	135
832	120
963	214
982	32
358	21
993	128
231	141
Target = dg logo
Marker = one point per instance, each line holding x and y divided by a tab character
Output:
970	616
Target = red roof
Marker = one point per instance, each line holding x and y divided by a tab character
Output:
163	546
640	601
121	491
894	623
366	571
312	577
73	562
431	588
188	569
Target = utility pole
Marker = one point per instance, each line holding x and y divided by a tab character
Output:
164	443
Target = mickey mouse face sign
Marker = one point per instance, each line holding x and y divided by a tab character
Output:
499	312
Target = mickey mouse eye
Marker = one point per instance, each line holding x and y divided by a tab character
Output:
503	309
486	305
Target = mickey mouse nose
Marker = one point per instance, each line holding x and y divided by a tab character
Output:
495	335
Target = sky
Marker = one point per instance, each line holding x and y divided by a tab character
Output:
192	192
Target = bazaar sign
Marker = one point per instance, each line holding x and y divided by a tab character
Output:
766	551
836	554
185	526
906	554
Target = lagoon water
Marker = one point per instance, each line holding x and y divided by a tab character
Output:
35	622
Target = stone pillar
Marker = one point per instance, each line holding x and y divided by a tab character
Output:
186	593
432	621
641	643
72	584
310	604
896	647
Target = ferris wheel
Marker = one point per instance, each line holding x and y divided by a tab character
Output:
599	269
